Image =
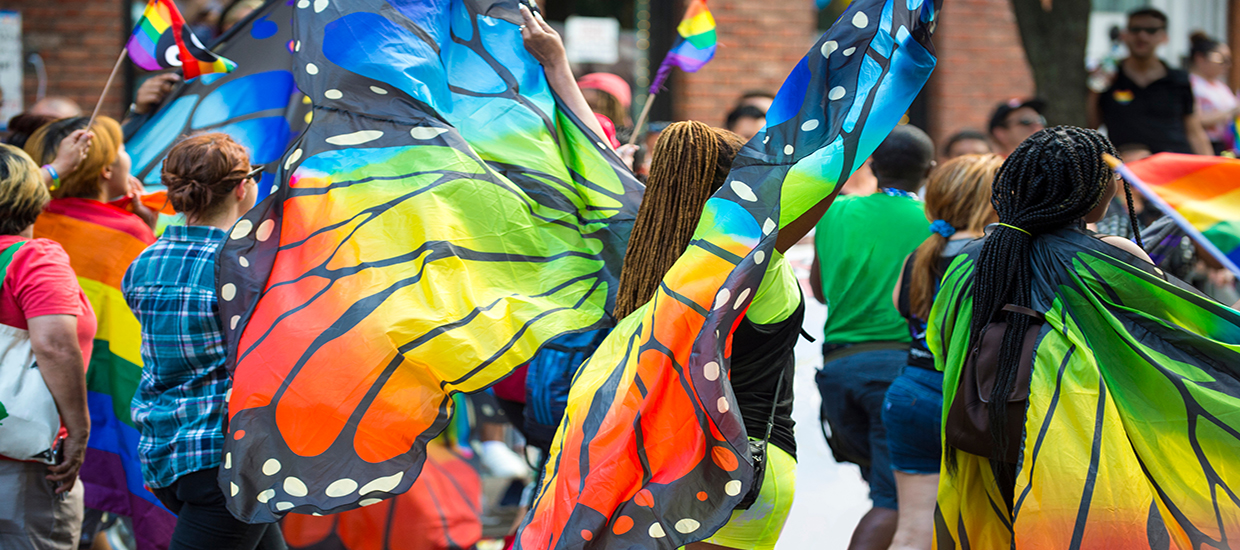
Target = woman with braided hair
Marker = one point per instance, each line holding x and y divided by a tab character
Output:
691	161
958	205
1068	363
181	400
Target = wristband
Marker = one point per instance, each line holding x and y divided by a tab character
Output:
55	176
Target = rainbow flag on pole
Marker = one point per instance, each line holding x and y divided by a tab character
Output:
1201	193
161	40
694	47
102	240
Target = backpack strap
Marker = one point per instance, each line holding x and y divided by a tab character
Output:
6	257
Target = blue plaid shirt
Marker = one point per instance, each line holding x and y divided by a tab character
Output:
179	407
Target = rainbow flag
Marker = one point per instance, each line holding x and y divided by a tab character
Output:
1235	135
102	240
1201	193
159	42
694	47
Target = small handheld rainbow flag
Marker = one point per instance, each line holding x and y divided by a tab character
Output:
159	42
1235	135
694	47
1201	193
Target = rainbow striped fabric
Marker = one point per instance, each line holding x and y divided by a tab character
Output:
102	240
1204	191
161	40
694	47
1131	428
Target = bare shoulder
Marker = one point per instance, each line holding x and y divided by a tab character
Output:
1126	245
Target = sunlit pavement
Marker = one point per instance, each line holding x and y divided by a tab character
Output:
831	497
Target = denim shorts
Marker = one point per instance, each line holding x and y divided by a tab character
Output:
852	389
912	413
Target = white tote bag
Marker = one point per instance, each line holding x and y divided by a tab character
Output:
29	421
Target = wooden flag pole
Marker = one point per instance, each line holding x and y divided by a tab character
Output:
108	85
642	119
1175	215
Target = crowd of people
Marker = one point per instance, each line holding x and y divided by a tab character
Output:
882	379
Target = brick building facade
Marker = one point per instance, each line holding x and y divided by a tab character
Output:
79	41
981	63
759	43
981	60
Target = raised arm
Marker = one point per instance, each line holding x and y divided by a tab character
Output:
793	232
69	155
546	46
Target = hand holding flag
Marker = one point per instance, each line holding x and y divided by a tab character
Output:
158	42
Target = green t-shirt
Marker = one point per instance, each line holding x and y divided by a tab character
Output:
861	244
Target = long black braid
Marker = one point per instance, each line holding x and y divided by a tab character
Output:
1052	180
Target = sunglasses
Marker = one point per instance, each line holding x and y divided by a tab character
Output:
1027	122
1146	30
254	172
1219	58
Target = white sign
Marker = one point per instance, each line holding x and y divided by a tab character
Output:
10	66
592	39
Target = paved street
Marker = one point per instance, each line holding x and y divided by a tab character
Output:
831	497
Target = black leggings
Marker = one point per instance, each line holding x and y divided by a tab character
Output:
203	523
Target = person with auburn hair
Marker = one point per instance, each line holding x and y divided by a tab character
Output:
958	206
42	303
102	172
180	405
691	161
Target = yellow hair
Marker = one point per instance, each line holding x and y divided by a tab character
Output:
22	194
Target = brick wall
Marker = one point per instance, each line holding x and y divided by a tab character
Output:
981	62
759	43
79	41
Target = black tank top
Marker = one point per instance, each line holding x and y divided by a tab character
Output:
918	351
761	355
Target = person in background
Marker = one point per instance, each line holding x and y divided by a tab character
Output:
645	156
180	404
958	202
1209	65
69	152
966	142
859	246
1014	120
150	95
608	95
234	12
1146	100
746	121
41	296
761	99
56	107
22	125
